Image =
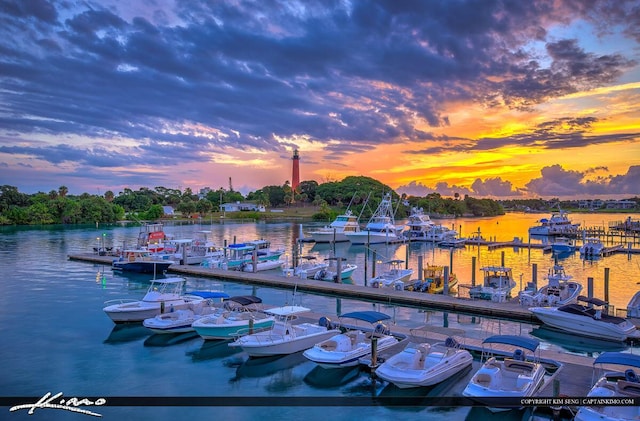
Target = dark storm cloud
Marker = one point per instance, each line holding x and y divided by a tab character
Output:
358	73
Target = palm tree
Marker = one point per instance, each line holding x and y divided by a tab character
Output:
63	190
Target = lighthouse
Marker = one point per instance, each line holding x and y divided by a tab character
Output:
295	177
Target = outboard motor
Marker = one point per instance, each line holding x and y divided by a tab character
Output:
381	329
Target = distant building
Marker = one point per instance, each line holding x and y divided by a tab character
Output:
242	206
168	211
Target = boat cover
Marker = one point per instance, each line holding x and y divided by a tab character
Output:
367	316
520	341
209	294
592	300
245	300
620	358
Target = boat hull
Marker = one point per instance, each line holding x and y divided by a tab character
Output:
328	237
327	358
142	267
265	344
137	312
583	325
212	331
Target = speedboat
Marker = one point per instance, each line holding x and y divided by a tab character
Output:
335	232
142	261
557	224
425	365
592	248
284	337
240	315
395	276
617	377
163	295
346	349
180	321
330	273
586	318
381	227
308	268
563	245
633	308
496	285
516	376
560	290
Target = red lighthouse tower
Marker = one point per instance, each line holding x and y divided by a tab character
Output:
295	178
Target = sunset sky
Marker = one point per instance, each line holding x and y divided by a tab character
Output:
499	99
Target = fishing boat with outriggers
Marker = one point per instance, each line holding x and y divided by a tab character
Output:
560	290
557	224
381	227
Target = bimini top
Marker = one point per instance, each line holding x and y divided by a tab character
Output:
245	300
209	294
592	300
620	358
520	341
168	280
287	310
367	316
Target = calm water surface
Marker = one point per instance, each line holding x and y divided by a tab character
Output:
56	338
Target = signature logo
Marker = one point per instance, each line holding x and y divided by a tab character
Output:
49	401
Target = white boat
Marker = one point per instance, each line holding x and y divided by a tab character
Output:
244	256
617	376
563	245
346	349
557	224
633	308
307	268
239	315
516	376
163	295
180	321
585	318
336	230
560	290
192	251
592	247
284	337
260	265
496	285
419	225
330	273
394	277
381	227
453	241
425	365
142	261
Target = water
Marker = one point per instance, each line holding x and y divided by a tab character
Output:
56	338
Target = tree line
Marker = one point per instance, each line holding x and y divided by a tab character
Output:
361	194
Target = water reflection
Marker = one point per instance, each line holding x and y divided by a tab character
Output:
168	339
577	344
127	332
210	350
265	366
324	378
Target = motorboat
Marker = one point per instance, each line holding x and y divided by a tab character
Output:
163	295
152	236
497	284
507	375
381	227
330	273
563	245
557	224
181	321
193	251
142	261
424	364
240	315
252	256
617	375
453	241
560	290
434	280
633	308
592	248
285	337
586	317
347	348
336	230
394	277
308	267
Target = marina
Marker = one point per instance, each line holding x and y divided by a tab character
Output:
122	356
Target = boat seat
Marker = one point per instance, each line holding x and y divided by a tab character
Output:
628	387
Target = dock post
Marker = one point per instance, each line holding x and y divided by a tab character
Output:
225	242
406	259
254	260
161	307
534	276
445	290
373	268
250	326
502	258
420	270
451	260
366	258
590	287
374	353
338	279
606	284
234	239
473	270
